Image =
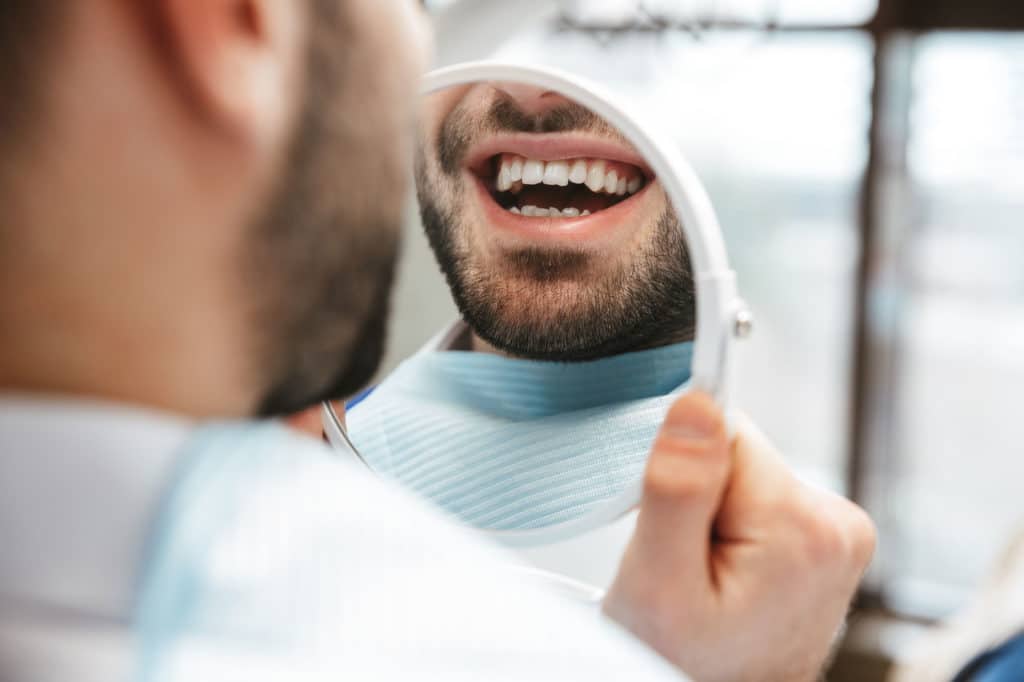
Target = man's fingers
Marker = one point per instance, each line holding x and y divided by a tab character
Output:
843	532
736	565
683	484
761	487
809	525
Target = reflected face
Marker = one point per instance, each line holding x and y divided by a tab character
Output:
556	238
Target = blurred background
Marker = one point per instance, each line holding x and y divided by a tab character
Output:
866	159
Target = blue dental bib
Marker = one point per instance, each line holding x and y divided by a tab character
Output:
510	444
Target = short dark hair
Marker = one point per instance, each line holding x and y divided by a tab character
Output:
28	31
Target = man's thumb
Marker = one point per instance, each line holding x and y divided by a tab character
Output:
686	476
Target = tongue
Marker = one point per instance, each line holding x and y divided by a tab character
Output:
578	196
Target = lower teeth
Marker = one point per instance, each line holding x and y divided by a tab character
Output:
534	212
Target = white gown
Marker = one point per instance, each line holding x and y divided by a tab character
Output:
138	547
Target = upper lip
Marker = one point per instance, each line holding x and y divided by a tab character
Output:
554	147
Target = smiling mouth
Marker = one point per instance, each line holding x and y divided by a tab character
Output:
565	188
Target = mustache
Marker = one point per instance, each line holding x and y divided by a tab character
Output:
460	129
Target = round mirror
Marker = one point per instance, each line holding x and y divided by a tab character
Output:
588	268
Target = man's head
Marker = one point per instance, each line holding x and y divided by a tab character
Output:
202	197
557	241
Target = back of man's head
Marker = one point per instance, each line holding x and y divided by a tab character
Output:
28	32
201	197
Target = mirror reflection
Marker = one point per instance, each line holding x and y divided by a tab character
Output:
571	274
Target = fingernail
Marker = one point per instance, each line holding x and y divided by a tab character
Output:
689	423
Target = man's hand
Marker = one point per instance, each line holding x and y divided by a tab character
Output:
737	570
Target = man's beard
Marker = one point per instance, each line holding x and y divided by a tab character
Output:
540	303
321	258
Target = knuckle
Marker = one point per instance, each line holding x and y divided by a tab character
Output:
823	540
820	534
836	531
863	536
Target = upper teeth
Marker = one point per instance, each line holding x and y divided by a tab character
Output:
619	180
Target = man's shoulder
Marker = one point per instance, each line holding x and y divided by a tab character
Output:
284	544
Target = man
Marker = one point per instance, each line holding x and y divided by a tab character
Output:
573	279
199	219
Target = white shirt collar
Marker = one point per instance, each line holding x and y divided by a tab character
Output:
79	481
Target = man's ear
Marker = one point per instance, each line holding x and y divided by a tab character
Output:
239	60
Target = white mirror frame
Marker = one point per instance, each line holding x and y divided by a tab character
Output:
721	314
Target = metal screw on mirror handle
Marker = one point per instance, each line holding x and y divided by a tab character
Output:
742	326
743	323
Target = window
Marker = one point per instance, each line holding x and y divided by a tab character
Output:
946	484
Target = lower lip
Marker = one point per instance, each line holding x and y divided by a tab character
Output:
585	229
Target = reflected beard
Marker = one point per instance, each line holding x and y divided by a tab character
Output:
546	304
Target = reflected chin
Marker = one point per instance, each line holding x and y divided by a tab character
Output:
550	304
